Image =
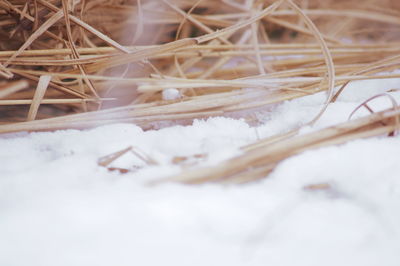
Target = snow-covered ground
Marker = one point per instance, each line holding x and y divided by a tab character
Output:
58	207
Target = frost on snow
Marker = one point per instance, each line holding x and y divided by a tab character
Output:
58	207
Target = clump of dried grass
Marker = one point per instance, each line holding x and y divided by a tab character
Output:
78	64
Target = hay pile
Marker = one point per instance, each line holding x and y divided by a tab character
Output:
79	64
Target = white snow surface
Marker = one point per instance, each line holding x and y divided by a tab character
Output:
171	94
58	207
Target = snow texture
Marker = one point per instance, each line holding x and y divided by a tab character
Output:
58	207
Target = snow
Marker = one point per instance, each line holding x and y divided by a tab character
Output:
171	94
58	207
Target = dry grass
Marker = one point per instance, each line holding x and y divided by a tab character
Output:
79	64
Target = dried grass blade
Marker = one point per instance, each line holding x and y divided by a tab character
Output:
108	159
13	87
5	72
140	55
327	56
39	93
139	25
